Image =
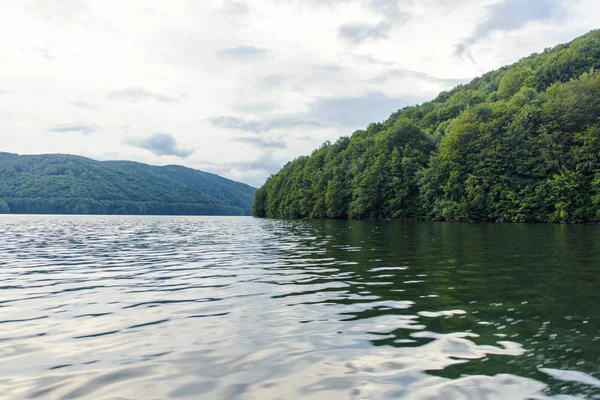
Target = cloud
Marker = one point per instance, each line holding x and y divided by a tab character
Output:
393	70
262	142
327	69
265	162
136	94
161	144
271	81
388	8
79	128
369	59
69	11
255	108
357	33
234	8
45	53
405	73
254	172
84	105
229	122
358	111
242	53
350	112
510	15
165	99
392	16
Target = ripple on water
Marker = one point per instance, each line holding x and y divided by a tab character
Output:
226	308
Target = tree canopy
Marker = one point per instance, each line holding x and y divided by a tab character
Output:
519	144
65	184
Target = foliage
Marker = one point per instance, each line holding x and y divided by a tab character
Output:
64	184
518	144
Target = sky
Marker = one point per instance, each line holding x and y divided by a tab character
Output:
240	88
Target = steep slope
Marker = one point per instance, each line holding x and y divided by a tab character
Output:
68	184
521	143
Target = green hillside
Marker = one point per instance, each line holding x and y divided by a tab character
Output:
520	144
65	184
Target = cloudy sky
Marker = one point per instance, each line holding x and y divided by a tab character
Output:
239	88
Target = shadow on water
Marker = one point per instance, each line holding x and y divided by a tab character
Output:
536	285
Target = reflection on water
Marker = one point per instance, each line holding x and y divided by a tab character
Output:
225	308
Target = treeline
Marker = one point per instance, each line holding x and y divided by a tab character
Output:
88	206
519	144
64	184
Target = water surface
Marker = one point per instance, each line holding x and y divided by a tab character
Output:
227	307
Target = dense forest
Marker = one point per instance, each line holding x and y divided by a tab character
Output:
65	184
519	144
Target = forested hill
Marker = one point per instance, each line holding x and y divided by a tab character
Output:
521	143
65	184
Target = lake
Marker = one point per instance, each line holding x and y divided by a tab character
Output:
242	308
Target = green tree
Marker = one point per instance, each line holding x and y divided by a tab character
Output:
4	209
518	144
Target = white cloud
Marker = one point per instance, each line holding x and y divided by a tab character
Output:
244	87
161	144
83	104
81	128
242	53
136	94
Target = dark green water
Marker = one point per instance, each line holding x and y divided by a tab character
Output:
221	308
536	285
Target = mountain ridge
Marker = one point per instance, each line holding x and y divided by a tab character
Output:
71	184
517	144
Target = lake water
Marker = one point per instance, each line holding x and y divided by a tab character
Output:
240	308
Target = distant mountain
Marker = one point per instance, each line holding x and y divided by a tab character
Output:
519	144
66	184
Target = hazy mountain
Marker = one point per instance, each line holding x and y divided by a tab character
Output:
66	184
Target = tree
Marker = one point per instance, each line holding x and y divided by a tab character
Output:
4	209
519	144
